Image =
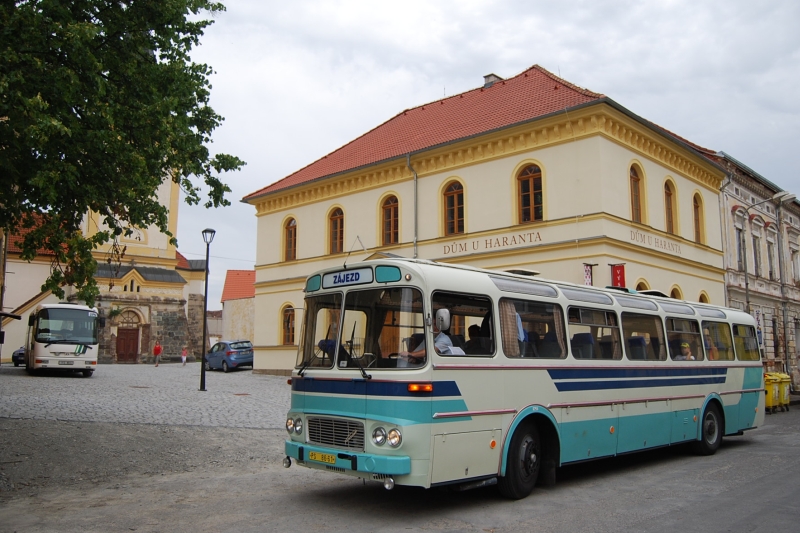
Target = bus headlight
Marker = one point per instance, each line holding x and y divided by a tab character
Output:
290	424
298	425
379	436
394	438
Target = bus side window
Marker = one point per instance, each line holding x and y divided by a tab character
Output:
532	329
644	337
594	333
466	311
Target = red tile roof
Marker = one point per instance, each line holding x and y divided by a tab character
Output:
16	236
182	262
239	284
531	94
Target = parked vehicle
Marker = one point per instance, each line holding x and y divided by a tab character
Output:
18	357
228	355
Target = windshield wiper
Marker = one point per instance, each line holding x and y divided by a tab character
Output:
306	363
353	358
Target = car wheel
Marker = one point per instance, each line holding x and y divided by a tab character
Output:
16	363
225	367
207	365
524	460
711	430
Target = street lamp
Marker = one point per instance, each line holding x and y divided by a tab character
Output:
778	197
208	236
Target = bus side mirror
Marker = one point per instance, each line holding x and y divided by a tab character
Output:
31	320
443	319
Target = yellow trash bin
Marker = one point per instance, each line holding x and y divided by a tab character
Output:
772	389
786	381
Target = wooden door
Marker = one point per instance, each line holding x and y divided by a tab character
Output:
127	345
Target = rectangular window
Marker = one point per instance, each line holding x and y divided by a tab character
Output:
771	261
717	341
636	202
473	312
643	337
744	338
684	340
756	256
739	249
594	334
532	329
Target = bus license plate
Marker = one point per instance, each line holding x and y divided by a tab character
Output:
322	457
66	362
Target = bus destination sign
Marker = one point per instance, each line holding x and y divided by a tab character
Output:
356	276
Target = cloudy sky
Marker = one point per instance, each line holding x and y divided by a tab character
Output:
296	80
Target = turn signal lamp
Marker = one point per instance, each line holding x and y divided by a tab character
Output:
420	387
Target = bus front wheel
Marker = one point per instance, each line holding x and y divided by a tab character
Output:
710	431
523	463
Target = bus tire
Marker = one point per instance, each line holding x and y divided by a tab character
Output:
711	430
523	462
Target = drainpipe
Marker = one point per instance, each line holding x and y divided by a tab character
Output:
408	164
723	220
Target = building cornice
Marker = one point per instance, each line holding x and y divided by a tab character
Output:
600	119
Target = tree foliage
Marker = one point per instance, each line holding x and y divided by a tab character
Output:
99	104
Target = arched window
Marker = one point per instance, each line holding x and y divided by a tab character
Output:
337	231
454	209
529	189
697	217
704	298
288	325
675	293
290	240
390	220
669	208
636	196
642	286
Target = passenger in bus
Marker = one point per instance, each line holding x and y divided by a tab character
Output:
474	344
686	353
441	343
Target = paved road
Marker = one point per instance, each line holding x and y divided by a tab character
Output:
144	394
750	485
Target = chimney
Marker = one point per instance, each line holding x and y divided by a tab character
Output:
490	79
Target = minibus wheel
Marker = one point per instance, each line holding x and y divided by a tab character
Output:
523	462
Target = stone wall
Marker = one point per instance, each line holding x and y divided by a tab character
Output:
195	325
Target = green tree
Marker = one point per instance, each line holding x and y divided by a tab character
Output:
99	104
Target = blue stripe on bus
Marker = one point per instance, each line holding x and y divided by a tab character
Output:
372	388
564	386
596	373
400	412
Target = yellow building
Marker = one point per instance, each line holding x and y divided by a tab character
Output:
528	173
155	293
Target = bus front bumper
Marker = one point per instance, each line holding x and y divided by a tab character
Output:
395	465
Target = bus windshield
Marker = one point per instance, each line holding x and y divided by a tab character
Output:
377	326
66	326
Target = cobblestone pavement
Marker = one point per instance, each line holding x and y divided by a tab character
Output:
144	394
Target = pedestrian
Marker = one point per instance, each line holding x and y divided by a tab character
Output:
157	352
183	356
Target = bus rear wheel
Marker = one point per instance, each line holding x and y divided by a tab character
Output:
523	462
710	431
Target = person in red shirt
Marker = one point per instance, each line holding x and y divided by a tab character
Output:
157	352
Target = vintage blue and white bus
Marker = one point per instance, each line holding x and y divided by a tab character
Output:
418	373
62	336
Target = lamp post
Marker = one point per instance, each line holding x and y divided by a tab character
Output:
208	236
778	197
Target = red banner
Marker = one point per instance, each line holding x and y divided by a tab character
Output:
618	275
